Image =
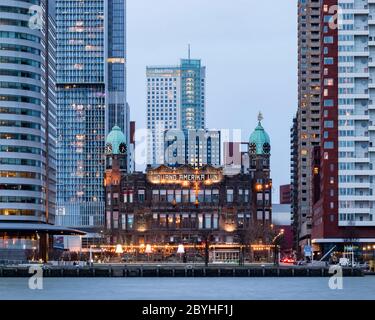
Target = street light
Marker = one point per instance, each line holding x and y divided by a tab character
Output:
148	251
119	249
276	251
180	250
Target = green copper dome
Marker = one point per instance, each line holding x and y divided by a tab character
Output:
259	142
115	142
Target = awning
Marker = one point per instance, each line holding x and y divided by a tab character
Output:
40	228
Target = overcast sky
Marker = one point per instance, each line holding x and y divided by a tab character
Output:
249	49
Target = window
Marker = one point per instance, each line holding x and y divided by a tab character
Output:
328	61
215	195
200	221
240	221
208	220
328	103
115	219
170	196
328	124
178	196
328	145
141	196
328	39
155	195
163	221
108	219
123	221
193	196
163	195
329	82
208	195
130	221
216	221
230	195
185	196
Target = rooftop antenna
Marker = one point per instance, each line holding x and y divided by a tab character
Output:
260	117
189	51
116	108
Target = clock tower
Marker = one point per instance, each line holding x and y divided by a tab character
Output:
259	158
116	152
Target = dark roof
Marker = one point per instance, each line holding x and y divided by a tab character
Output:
38	227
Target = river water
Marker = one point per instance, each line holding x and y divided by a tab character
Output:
188	289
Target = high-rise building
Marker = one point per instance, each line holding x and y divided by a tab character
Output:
308	113
91	79
194	147
294	181
27	130
175	100
27	113
344	215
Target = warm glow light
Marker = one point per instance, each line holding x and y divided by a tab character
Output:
148	249
119	249
229	227
180	249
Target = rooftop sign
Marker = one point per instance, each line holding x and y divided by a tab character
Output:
184	175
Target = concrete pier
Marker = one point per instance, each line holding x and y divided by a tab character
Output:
118	271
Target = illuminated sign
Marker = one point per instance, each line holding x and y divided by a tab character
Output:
184	174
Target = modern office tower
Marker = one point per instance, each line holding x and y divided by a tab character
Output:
175	100
91	79
27	113
193	77
308	114
344	216
194	147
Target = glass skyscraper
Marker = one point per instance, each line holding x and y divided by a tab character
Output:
91	78
175	100
27	113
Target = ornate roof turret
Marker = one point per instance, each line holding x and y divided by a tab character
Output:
259	142
116	142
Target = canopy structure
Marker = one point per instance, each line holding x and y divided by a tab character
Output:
39	228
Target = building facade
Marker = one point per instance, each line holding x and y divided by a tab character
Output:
186	205
91	83
175	100
27	113
344	213
27	130
308	115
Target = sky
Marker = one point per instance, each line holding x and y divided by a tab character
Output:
249	49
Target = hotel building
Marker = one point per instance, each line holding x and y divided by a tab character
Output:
170	206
